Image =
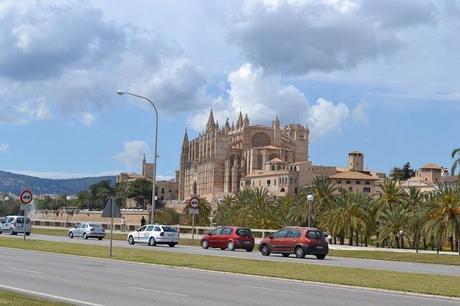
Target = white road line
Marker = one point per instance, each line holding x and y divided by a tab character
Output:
271	289
25	270
160	291
49	296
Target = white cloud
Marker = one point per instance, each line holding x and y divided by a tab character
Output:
4	147
264	97
359	113
87	119
44	59
325	116
63	175
132	154
298	37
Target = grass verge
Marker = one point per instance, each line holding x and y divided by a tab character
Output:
380	255
411	282
11	298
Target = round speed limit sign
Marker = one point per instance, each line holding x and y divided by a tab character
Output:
194	202
26	197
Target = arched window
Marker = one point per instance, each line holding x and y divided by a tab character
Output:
282	190
260	140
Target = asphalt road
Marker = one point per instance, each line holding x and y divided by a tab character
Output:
90	281
330	260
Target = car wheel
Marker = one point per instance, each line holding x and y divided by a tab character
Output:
100	238
299	252
131	240
249	249
85	236
205	244
13	232
321	256
285	254
265	250
28	233
230	246
171	245
71	235
152	241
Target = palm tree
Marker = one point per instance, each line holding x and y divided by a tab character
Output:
443	222
223	214
456	163
347	216
284	207
392	194
261	210
393	222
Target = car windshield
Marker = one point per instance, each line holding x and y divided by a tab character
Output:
169	229
243	232
315	234
95	225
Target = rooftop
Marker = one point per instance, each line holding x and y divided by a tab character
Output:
431	166
354	175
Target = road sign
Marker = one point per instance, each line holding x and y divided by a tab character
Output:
111	211
193	211
26	197
194	202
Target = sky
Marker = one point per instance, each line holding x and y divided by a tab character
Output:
380	77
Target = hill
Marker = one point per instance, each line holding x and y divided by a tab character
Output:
12	182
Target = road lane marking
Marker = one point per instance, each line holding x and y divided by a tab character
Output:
271	289
49	296
160	291
25	270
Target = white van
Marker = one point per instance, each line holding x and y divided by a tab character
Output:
15	224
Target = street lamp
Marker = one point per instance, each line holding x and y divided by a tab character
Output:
401	234
309	200
152	213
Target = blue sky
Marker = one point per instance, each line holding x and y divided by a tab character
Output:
379	77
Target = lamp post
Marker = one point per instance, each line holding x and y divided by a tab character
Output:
401	234
309	200
152	213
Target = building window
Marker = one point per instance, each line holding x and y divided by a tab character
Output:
350	188
282	190
358	182
295	190
348	182
162	190
339	182
367	183
268	183
367	189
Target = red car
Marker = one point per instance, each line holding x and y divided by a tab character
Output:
300	241
230	238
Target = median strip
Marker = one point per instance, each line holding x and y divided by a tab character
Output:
390	280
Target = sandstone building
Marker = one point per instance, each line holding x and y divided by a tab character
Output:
214	163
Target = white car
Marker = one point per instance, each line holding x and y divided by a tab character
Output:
154	234
15	224
87	230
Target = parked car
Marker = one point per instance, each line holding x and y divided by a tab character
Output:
87	230
300	241
230	238
15	225
154	234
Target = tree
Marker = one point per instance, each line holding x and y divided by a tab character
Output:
167	216
393	223
261	209
225	212
456	163
443	222
141	191
402	174
392	195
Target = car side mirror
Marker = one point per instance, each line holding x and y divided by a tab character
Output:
210	234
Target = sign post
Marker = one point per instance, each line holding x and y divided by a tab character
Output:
194	211
111	210
26	198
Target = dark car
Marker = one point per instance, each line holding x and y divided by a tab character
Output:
230	238
300	241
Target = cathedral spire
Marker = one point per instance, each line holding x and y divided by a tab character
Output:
185	141
210	126
240	121
246	120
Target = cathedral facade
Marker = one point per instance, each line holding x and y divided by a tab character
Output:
217	161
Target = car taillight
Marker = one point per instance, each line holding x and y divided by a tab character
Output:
162	234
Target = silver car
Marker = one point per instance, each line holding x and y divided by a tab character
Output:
87	230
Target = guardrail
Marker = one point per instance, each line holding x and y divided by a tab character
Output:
183	229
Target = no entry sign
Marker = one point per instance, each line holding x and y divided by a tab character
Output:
26	197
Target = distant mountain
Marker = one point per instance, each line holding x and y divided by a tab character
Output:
12	182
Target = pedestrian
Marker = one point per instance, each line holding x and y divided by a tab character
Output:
142	221
122	224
